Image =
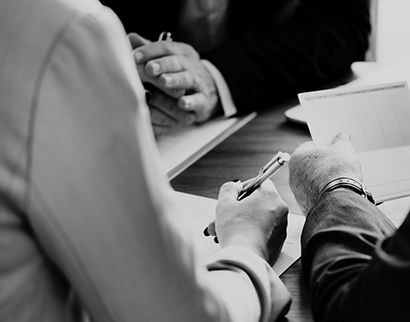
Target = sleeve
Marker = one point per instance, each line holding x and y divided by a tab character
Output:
354	261
100	207
314	48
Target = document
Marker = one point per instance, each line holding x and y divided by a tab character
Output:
396	210
184	145
197	212
378	119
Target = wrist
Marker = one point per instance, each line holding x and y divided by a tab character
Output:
346	183
253	243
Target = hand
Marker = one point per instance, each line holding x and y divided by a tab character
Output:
311	167
165	113
257	222
176	69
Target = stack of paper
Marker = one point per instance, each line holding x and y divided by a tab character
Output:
185	145
378	120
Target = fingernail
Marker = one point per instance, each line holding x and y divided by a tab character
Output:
190	118
205	232
167	79
185	103
138	56
216	240
155	67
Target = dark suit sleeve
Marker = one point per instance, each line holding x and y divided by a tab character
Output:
269	61
356	264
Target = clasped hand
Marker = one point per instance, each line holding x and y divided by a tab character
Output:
184	89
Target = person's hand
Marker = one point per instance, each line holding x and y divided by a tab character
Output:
258	221
176	69
311	167
165	113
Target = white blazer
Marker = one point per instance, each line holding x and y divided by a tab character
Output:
86	221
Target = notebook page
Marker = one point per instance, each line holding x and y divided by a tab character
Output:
378	120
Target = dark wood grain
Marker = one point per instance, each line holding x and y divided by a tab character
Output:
240	157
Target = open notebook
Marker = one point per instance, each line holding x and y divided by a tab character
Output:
184	145
378	119
197	212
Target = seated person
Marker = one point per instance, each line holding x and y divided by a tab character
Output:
355	262
87	223
234	56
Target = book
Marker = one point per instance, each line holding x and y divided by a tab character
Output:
197	212
378	119
182	146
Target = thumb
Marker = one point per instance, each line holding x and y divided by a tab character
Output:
230	190
342	137
137	41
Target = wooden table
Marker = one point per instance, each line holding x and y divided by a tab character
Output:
240	157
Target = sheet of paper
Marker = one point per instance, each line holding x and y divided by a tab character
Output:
377	118
185	145
197	212
396	210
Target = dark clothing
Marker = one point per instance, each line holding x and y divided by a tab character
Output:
274	49
356	264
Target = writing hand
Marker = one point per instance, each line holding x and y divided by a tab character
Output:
257	222
311	167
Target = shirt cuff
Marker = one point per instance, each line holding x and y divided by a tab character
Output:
273	295
223	90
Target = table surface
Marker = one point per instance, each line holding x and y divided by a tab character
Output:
240	157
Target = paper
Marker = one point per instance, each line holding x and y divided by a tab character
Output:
378	120
396	210
183	146
197	212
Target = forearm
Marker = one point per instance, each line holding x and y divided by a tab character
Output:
316	46
350	275
99	207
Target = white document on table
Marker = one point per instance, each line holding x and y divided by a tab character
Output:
378	120
184	145
197	212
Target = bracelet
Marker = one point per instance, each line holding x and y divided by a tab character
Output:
349	183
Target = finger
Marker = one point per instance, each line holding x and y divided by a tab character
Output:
342	137
184	79
166	64
342	143
230	191
137	41
160	130
165	48
210	229
196	102
161	119
266	189
168	106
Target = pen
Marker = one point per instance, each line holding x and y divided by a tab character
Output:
250	185
165	36
265	173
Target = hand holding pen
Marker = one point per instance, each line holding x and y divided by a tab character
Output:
249	186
